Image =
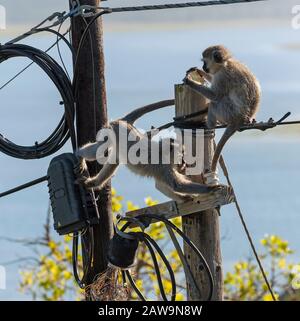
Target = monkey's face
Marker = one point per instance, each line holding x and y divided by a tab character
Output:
205	67
210	65
214	58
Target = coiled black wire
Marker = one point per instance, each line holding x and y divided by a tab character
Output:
65	128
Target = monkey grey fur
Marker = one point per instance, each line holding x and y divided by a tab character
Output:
234	93
168	178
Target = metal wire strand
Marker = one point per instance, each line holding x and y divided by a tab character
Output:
226	174
179	5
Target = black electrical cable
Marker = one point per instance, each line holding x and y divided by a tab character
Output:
60	53
66	126
81	42
34	31
24	186
59	38
150	242
189	243
86	261
180	5
61	134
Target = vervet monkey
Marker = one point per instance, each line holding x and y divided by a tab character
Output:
168	177
234	93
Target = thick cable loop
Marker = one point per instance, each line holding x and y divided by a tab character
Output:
66	125
150	243
190	244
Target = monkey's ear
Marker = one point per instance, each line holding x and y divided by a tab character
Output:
218	57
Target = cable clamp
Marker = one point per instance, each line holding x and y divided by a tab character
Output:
211	178
85	11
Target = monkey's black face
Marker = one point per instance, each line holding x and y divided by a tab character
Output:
205	68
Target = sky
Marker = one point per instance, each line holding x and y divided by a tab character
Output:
30	12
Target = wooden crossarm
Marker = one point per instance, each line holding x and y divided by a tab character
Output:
203	202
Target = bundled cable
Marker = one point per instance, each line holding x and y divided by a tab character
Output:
65	128
123	247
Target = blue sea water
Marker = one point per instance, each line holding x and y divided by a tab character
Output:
142	67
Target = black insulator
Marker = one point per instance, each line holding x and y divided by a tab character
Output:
122	251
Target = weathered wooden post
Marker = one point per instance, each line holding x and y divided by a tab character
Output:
203	227
91	115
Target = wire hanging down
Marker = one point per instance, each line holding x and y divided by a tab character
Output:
241	216
143	221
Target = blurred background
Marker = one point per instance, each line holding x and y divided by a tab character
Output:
146	54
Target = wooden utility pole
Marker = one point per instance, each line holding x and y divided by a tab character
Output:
91	115
203	227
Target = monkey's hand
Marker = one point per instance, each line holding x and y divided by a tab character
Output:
191	70
89	184
81	171
200	73
188	80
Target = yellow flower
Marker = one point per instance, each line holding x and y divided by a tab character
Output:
116	205
282	263
268	297
67	275
180	297
167	286
150	202
131	206
52	245
263	242
67	238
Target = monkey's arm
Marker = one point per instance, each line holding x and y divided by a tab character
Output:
100	180
88	151
180	184
207	76
205	91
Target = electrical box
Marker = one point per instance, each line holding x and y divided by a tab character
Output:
73	207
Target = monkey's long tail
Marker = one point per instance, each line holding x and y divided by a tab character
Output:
139	112
229	131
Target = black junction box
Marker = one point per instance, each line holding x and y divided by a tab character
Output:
73	207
